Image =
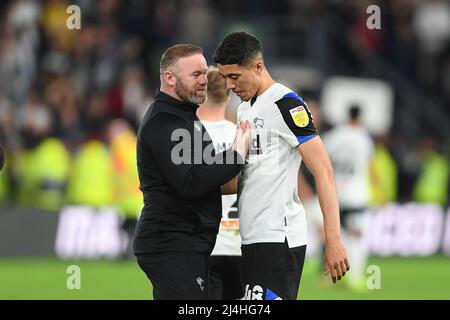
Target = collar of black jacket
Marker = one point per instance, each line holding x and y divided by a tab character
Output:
188	106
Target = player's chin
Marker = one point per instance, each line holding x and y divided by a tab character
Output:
244	97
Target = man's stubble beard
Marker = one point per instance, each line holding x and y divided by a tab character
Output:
188	95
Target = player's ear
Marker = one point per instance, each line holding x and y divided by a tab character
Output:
259	66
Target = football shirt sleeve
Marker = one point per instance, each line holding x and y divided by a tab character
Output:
298	126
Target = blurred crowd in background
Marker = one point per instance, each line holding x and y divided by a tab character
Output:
71	100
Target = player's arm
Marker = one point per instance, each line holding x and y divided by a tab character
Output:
316	159
305	192
296	126
230	187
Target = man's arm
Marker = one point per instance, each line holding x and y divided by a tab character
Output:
191	180
316	159
230	187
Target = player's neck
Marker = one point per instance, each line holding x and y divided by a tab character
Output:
211	112
266	83
355	123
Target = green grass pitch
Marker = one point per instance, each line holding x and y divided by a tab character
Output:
401	278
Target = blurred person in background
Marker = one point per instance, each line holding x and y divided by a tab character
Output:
126	193
178	225
64	104
384	187
272	218
351	148
2	158
6	125
224	264
19	42
432	185
92	175
35	124
191	25
134	95
50	171
431	24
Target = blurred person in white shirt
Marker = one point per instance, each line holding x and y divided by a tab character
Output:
224	266
350	147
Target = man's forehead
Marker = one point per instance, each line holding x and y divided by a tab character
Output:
226	69
195	62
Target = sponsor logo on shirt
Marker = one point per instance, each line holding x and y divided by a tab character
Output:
300	116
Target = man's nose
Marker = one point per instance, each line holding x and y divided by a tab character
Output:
230	84
203	79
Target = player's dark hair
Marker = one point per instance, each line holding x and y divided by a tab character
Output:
172	54
354	112
238	48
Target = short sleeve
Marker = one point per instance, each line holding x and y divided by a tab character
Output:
297	117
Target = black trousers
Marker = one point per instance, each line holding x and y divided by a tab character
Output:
225	278
176	276
272	271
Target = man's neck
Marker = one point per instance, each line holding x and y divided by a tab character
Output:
169	91
355	123
211	112
266	83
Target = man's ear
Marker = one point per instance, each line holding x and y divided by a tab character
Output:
169	78
259	66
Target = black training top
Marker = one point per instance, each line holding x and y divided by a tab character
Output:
182	199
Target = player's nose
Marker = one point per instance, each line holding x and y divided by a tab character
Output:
230	84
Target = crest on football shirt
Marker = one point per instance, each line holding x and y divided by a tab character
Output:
300	116
258	122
